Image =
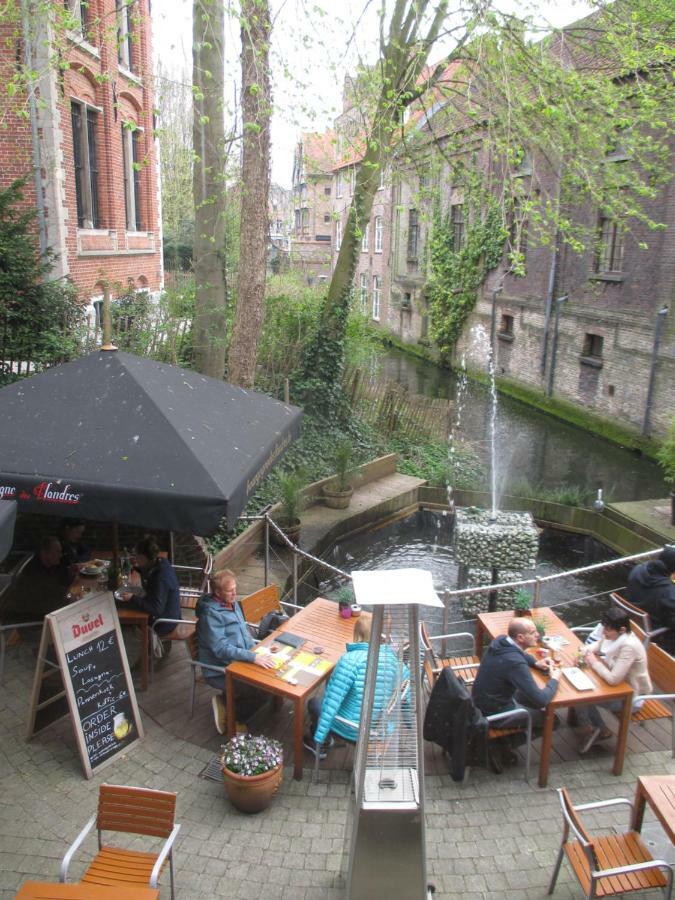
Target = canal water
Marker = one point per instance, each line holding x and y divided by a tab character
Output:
532	445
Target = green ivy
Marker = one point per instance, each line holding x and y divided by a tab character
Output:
456	275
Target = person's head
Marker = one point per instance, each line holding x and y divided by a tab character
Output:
614	622
146	552
523	632
224	585
667	557
50	550
72	530
362	630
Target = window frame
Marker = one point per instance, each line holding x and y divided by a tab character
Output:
338	234
364	292
457	226
85	159
377	297
610	249
412	248
133	190
379	233
365	238
125	34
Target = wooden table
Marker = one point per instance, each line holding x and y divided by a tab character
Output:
48	890
495	624
127	616
659	792
321	625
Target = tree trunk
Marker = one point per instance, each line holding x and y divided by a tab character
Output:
255	182
208	186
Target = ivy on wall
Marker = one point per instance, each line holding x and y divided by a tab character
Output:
457	274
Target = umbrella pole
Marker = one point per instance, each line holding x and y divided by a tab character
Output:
115	545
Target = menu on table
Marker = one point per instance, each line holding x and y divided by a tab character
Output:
296	666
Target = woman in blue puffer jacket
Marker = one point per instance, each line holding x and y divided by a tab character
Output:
344	692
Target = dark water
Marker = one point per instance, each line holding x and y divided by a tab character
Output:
531	444
424	540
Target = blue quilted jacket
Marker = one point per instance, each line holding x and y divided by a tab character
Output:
344	691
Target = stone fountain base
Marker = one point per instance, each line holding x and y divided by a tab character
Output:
490	552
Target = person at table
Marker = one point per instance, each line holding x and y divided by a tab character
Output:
504	677
343	697
74	550
159	593
617	656
651	587
223	637
42	586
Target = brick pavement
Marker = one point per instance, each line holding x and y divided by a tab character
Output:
294	849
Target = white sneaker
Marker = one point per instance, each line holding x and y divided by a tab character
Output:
218	713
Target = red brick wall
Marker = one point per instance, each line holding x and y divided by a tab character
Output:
94	76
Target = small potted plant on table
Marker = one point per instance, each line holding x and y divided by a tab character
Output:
252	771
522	603
338	493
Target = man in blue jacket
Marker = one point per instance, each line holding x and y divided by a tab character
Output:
504	679
222	637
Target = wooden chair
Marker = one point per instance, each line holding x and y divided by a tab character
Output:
465	667
129	810
607	865
9	581
259	603
638	616
662	673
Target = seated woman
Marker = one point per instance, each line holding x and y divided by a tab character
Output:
344	692
160	595
618	656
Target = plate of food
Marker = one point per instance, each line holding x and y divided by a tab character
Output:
92	570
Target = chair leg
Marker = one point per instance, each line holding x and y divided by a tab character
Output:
171	874
556	870
3	644
317	760
192	696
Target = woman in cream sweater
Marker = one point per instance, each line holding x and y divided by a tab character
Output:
617	656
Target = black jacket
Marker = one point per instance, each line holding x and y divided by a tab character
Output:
650	587
453	722
505	669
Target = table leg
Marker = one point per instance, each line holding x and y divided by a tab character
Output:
622	736
298	727
546	742
145	654
478	648
638	808
229	705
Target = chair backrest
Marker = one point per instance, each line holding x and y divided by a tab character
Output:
637	615
661	665
136	810
574	822
261	602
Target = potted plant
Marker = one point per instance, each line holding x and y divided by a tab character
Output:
290	494
338	492
541	628
522	603
666	459
252	771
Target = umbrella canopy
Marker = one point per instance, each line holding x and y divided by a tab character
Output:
117	437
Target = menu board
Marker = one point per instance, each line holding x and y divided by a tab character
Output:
95	672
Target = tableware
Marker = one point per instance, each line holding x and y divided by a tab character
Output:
91	570
317	650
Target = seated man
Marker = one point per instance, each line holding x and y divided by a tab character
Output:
651	587
222	637
504	679
74	551
42	586
344	692
159	594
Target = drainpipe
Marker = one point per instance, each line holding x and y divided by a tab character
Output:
554	349
660	319
552	274
35	139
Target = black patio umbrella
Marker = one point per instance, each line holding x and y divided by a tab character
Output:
117	437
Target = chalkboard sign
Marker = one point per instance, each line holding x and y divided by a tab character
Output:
95	672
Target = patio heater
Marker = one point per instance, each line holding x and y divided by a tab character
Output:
385	830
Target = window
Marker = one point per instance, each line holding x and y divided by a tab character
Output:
326	191
339	187
365	238
305	219
609	254
125	34
131	163
378	234
506	325
457	226
364	292
84	123
79	10
517	229
593	344
377	296
326	217
523	164
381	184
338	234
413	233
297	220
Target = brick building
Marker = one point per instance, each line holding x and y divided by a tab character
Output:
86	140
312	226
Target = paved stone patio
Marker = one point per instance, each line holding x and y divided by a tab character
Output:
491	837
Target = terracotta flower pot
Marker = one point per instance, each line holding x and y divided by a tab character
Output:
252	793
337	499
522	612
